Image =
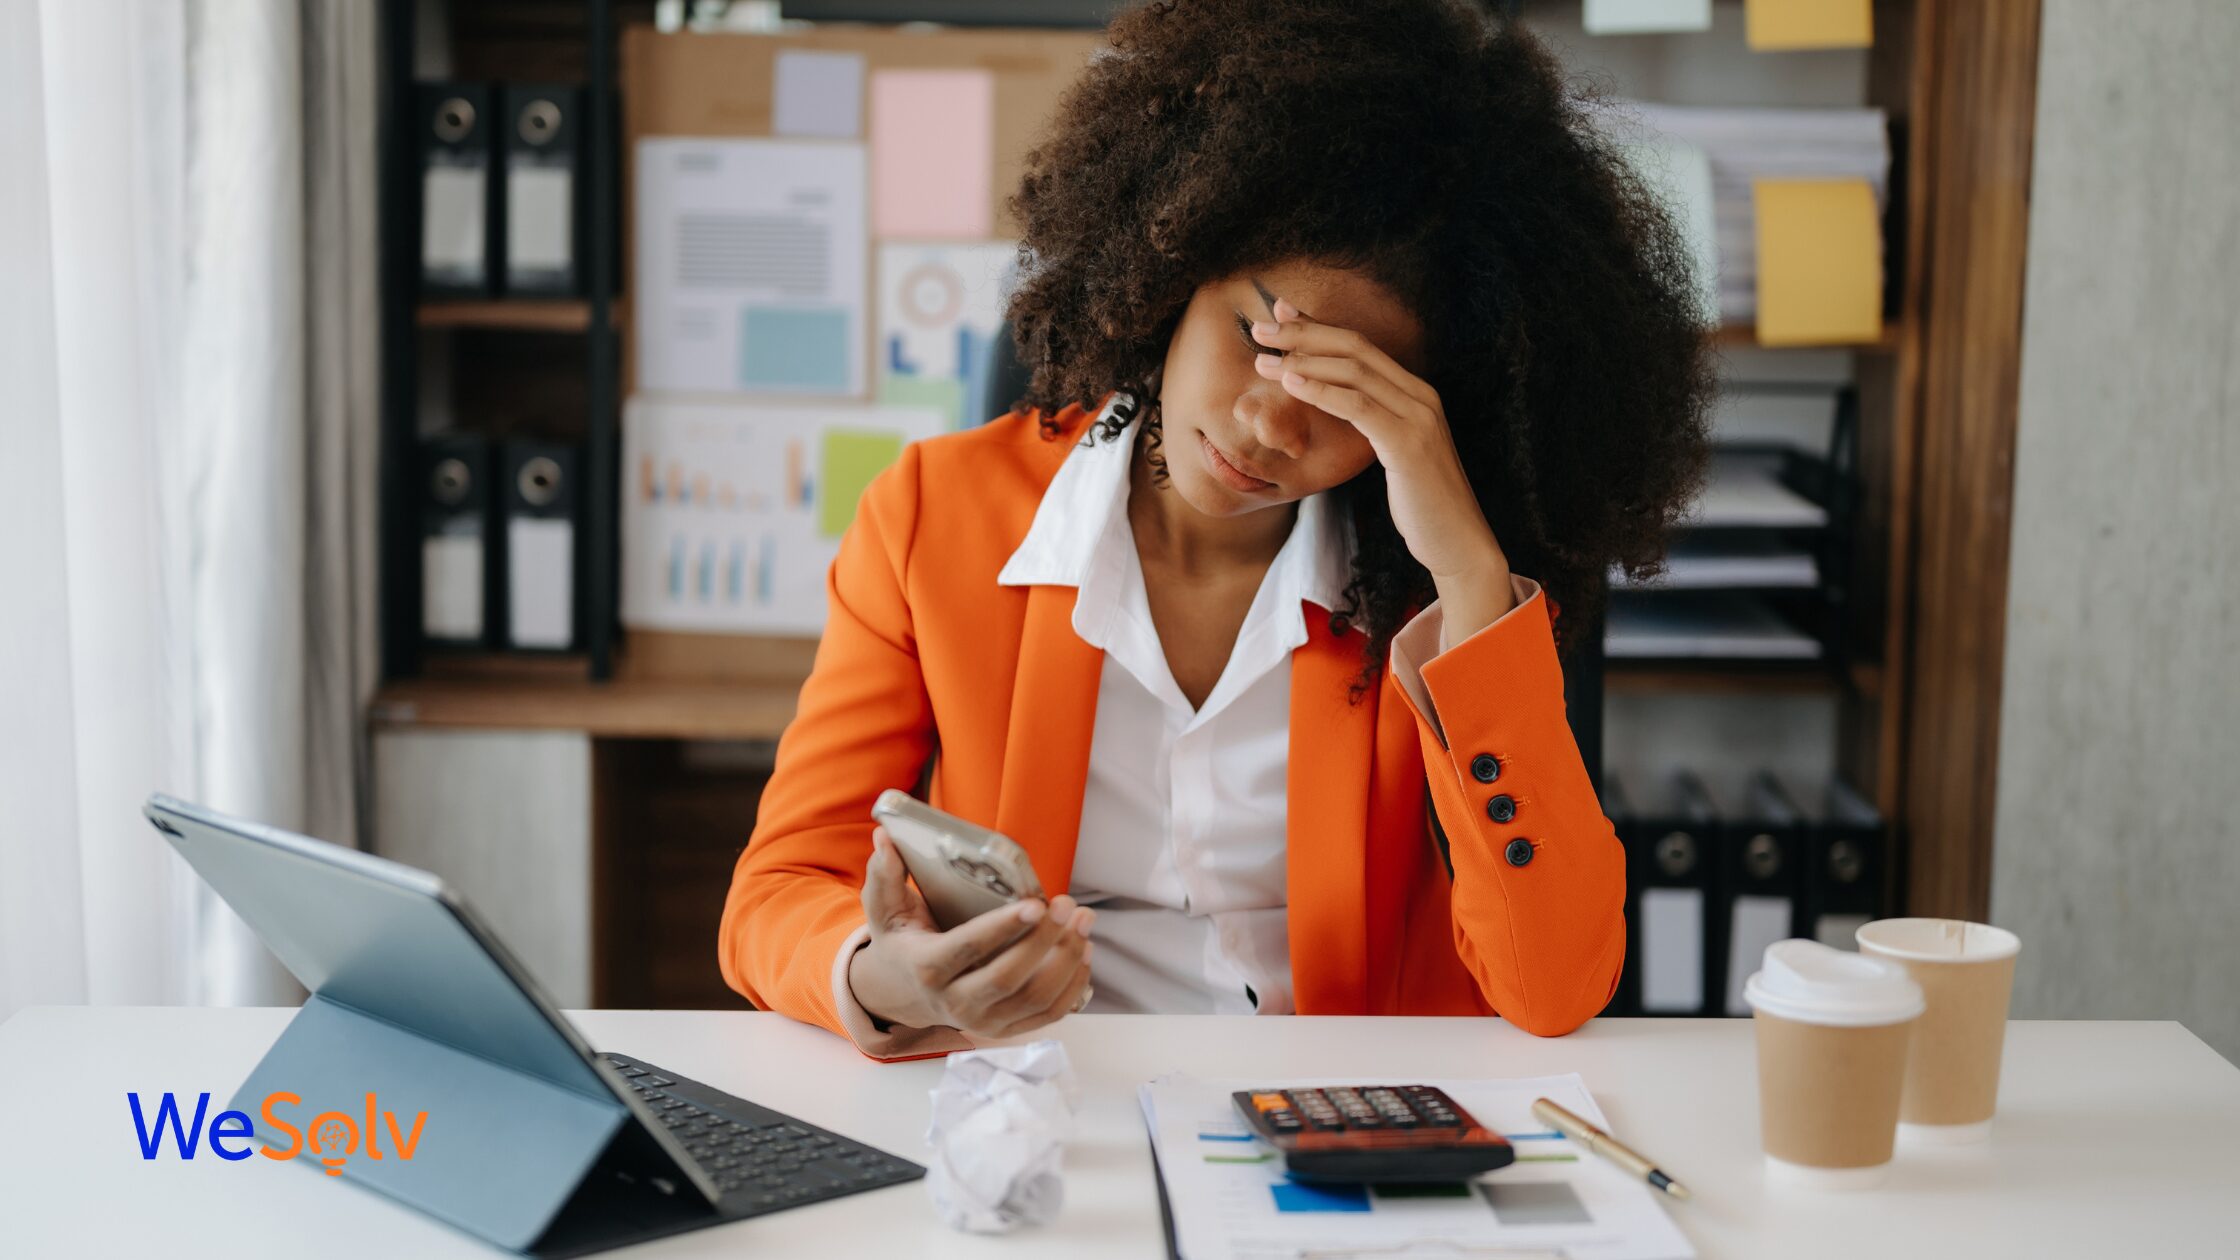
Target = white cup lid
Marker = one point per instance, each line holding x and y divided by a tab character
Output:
1814	984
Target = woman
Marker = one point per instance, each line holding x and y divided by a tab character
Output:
1256	655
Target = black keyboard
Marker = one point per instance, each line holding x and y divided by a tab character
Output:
763	1160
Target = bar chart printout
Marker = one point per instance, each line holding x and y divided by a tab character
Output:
733	511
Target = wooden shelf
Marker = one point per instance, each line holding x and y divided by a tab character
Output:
622	709
515	314
1623	677
1746	335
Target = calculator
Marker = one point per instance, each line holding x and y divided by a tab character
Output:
1374	1133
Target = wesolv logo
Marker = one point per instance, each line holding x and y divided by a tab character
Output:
332	1135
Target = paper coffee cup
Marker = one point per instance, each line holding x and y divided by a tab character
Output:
1966	974
1832	1029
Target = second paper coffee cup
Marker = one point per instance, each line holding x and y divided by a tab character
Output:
1832	1031
1966	973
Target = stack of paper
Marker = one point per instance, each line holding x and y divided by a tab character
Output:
1228	1198
1800	417
1703	625
1747	145
1724	560
1744	492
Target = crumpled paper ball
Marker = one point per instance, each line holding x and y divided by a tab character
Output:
1001	1118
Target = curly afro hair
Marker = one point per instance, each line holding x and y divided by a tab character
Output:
1441	153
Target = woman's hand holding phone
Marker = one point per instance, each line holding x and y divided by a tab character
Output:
999	974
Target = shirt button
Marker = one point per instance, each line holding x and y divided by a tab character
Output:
1519	851
1485	767
1501	808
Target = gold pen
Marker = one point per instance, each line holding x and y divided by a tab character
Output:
1606	1146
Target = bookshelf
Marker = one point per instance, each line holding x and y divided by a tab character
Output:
561	315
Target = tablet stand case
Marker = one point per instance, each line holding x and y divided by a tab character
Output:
508	1157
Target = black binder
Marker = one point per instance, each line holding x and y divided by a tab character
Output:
542	141
1761	879
539	487
1671	887
460	219
1844	869
458	581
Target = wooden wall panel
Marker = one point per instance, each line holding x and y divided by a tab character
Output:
1978	63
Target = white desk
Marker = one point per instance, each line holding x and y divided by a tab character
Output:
2113	1139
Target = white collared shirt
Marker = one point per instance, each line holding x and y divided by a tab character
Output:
1181	846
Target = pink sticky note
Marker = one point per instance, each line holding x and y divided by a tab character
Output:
932	153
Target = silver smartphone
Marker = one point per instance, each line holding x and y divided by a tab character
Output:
961	868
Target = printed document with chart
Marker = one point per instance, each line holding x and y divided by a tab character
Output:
750	266
732	510
1229	1199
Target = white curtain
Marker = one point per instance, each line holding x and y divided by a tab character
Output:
187	437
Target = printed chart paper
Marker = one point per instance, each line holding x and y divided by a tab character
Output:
940	307
750	261
732	512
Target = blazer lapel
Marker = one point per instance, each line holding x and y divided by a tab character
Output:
1046	748
1325	822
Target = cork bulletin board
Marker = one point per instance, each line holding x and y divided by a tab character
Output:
728	85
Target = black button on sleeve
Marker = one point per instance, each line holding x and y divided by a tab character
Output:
1485	767
1501	808
1519	851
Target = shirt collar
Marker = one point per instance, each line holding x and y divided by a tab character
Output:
1082	520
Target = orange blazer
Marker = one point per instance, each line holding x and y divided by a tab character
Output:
925	656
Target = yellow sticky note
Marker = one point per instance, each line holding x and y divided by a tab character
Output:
1819	262
1788	25
852	457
